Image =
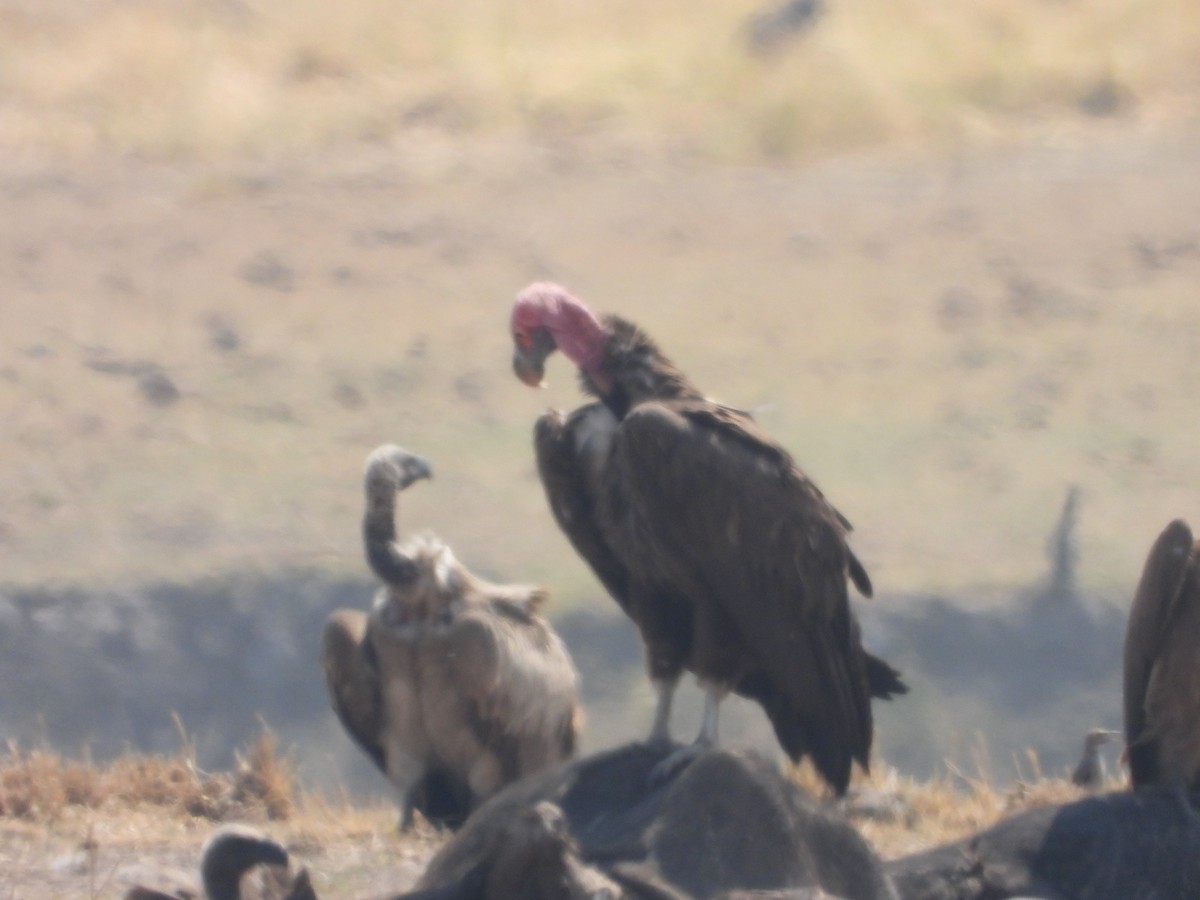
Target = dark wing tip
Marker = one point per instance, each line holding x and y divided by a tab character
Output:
859	576
349	666
1178	536
884	681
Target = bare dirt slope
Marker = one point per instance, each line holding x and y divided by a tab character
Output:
194	359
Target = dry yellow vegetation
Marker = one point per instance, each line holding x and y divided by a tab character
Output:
78	829
203	77
73	828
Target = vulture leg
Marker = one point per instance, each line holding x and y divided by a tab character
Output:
676	761
660	731
662	620
404	771
713	695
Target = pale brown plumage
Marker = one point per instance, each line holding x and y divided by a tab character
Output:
453	686
727	556
1162	665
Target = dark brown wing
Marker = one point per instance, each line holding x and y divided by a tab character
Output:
719	508
570	456
353	681
1150	626
739	427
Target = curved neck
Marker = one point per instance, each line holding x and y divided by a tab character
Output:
379	533
579	335
575	330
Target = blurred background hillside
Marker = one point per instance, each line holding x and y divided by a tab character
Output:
949	255
737	81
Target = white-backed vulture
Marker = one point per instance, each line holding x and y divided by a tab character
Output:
1162	665
725	554
452	686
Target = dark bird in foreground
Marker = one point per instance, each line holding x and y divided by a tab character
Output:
1162	665
453	686
725	554
1120	845
1089	772
239	863
730	825
530	854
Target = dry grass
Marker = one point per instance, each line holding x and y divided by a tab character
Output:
956	803
202	77
81	829
40	785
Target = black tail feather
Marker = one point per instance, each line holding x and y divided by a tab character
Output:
884	681
859	576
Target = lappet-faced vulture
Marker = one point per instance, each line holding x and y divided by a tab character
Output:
725	554
453	686
1162	665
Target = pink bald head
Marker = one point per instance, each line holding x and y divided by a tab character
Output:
571	326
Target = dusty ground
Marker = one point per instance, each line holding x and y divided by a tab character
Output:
351	853
194	359
99	849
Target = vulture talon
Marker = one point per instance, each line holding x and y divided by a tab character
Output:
673	764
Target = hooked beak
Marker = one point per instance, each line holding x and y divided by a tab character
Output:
415	468
529	368
530	364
